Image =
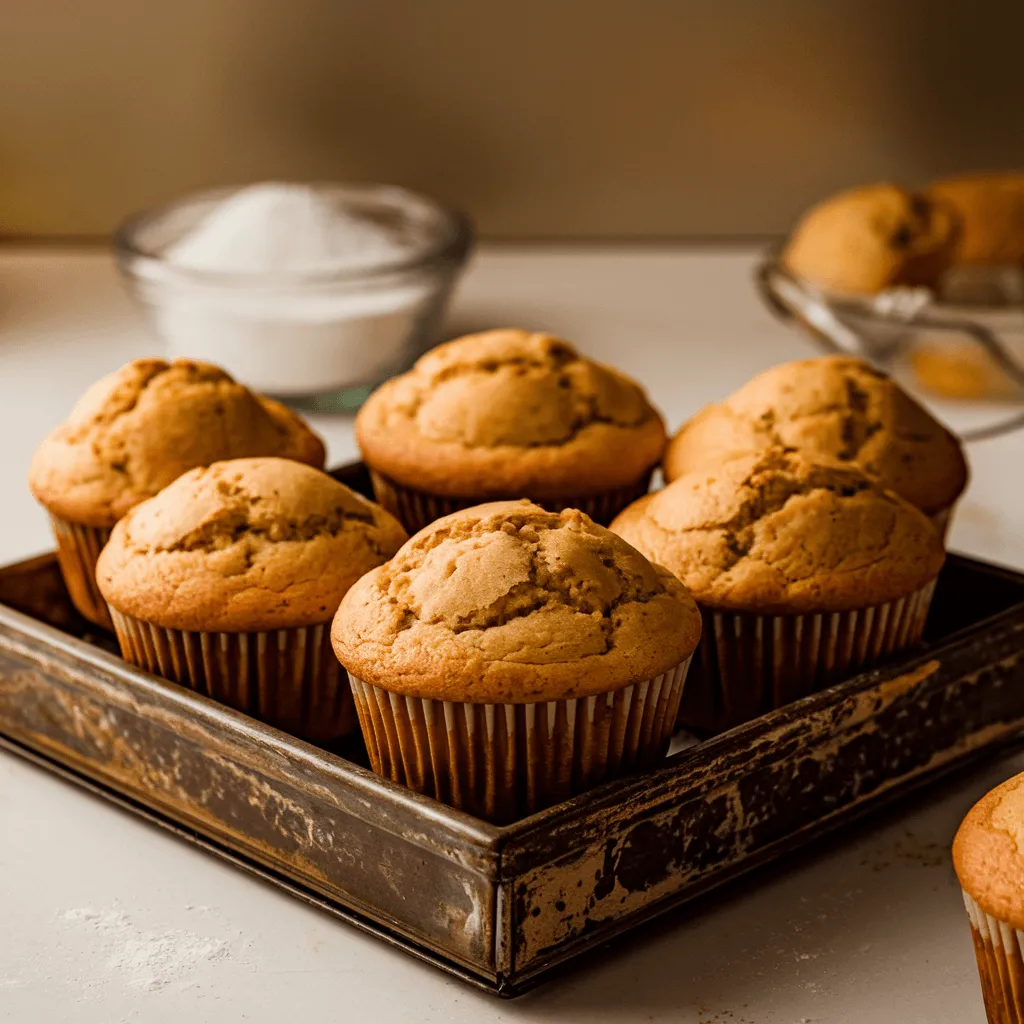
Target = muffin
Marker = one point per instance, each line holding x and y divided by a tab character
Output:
832	408
227	580
988	855
805	573
130	435
872	238
990	208
508	657
508	414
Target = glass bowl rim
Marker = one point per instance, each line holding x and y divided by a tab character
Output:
452	246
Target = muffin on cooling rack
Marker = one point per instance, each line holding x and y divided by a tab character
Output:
228	579
872	238
508	657
804	572
508	414
134	432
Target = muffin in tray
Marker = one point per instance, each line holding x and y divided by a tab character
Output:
508	657
872	238
130	435
834	408
508	414
805	573
227	580
988	854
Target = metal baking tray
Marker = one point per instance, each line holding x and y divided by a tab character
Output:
502	907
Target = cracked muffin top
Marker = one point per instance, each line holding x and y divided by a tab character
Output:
775	533
243	546
833	408
872	238
988	852
136	430
507	603
509	413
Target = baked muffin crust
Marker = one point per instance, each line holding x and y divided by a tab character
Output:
508	413
990	208
242	546
833	408
138	429
774	533
872	238
507	603
988	852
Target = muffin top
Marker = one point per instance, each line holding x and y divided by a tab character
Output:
775	533
872	238
833	408
244	546
508	603
991	212
988	852
509	413
136	430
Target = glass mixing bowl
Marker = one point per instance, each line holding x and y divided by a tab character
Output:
319	340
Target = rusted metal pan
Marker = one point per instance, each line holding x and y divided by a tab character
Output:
502	907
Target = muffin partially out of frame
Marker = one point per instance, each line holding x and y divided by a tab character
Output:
226	582
805	572
134	432
508	414
508	657
988	855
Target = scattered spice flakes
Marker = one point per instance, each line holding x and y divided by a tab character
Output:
708	1016
907	850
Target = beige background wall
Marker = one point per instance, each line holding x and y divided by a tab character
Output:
544	118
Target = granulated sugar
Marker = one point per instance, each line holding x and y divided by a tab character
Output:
144	959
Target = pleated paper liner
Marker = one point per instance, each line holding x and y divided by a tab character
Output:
747	665
502	762
288	678
416	509
999	949
78	547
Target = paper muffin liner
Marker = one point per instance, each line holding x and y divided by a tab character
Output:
999	949
416	509
749	664
78	548
502	762
288	678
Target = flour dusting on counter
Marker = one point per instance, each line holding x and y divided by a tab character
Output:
146	960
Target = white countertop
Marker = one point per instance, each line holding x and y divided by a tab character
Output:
106	919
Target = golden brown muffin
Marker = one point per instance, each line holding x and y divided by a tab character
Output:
509	414
990	208
871	238
806	573
832	408
246	545
988	855
773	533
508	603
138	429
988	852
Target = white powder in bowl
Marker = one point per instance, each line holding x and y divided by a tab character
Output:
286	228
249	285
